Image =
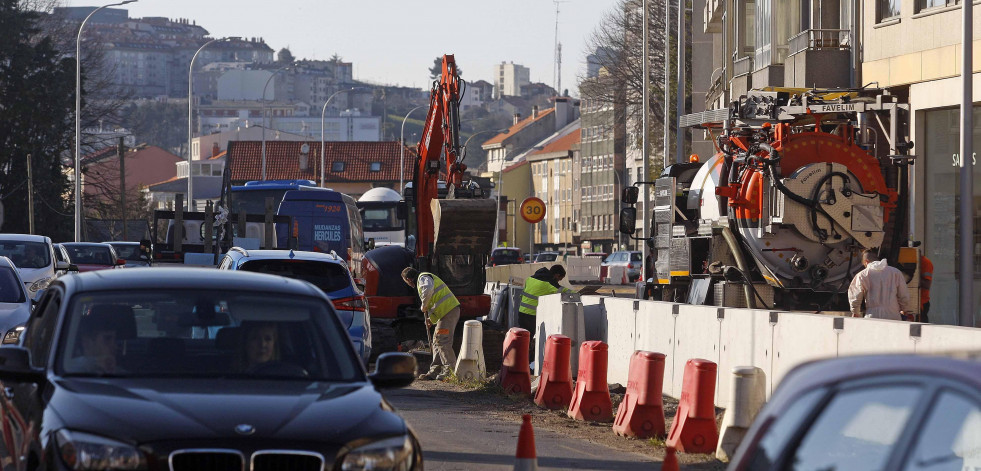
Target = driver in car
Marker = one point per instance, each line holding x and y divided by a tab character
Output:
261	346
98	341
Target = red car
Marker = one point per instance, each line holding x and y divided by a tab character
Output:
92	256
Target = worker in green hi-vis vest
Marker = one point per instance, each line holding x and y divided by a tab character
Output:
442	308
545	281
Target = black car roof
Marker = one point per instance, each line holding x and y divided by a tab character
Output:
185	278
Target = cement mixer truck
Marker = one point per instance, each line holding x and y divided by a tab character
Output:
803	180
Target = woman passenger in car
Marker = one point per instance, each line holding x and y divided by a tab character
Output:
261	346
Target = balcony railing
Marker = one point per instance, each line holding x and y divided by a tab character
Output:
814	39
742	66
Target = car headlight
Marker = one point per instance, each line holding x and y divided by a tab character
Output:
82	451
40	284
12	337
395	454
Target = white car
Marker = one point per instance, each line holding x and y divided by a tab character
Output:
34	257
15	305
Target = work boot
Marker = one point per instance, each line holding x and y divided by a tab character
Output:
431	375
445	375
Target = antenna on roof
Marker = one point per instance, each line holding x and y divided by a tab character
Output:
557	67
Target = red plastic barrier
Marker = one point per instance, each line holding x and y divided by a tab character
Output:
555	383
591	399
694	429
515	377
670	460
641	414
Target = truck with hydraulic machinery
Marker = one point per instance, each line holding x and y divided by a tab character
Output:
803	180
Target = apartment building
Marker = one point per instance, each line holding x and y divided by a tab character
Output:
602	160
553	181
510	79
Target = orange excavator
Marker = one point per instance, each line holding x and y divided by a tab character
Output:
450	228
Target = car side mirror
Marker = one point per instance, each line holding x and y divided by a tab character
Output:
393	370
402	210
62	265
15	365
629	195
12	337
628	220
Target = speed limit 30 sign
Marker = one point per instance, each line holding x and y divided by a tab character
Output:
533	210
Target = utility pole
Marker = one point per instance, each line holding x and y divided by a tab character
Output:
667	83
121	152
682	35
30	196
645	138
966	262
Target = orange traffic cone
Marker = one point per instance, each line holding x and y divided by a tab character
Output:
670	460
525	458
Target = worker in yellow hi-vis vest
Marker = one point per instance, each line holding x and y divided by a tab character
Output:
545	281
440	307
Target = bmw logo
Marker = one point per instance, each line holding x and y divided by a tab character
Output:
244	429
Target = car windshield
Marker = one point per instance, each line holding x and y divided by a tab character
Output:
546	257
327	276
254	201
129	252
90	254
206	334
506	256
381	219
26	254
635	256
10	290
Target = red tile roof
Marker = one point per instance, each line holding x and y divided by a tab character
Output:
561	144
514	129
245	161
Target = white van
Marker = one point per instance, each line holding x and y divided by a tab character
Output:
35	260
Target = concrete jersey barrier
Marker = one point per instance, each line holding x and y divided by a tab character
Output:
775	342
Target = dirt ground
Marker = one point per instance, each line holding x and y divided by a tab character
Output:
488	398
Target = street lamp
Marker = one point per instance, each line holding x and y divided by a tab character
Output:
322	143
190	119
78	119
263	108
402	150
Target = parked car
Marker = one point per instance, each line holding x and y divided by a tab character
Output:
34	257
546	257
91	256
326	271
109	376
870	412
130	252
631	260
505	256
600	255
15	304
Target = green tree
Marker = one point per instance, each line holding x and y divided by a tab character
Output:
437	69
37	98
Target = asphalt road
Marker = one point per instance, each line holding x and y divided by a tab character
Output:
456	435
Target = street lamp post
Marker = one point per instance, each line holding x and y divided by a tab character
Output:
263	108
402	150
190	118
78	119
323	145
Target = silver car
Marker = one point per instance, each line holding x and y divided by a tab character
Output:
631	260
15	304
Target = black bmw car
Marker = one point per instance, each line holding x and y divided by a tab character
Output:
186	369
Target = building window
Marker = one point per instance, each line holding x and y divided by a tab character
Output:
337	166
888	9
376	166
927	4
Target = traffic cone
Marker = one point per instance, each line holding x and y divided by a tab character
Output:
525	458
670	460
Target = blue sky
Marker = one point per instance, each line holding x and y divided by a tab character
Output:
391	41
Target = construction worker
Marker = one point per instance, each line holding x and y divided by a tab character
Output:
545	281
440	307
926	280
882	287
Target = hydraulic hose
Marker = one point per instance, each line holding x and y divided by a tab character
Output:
741	264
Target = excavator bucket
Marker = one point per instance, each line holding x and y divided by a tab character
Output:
464	226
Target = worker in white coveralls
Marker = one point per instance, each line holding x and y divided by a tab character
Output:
440	307
882	287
